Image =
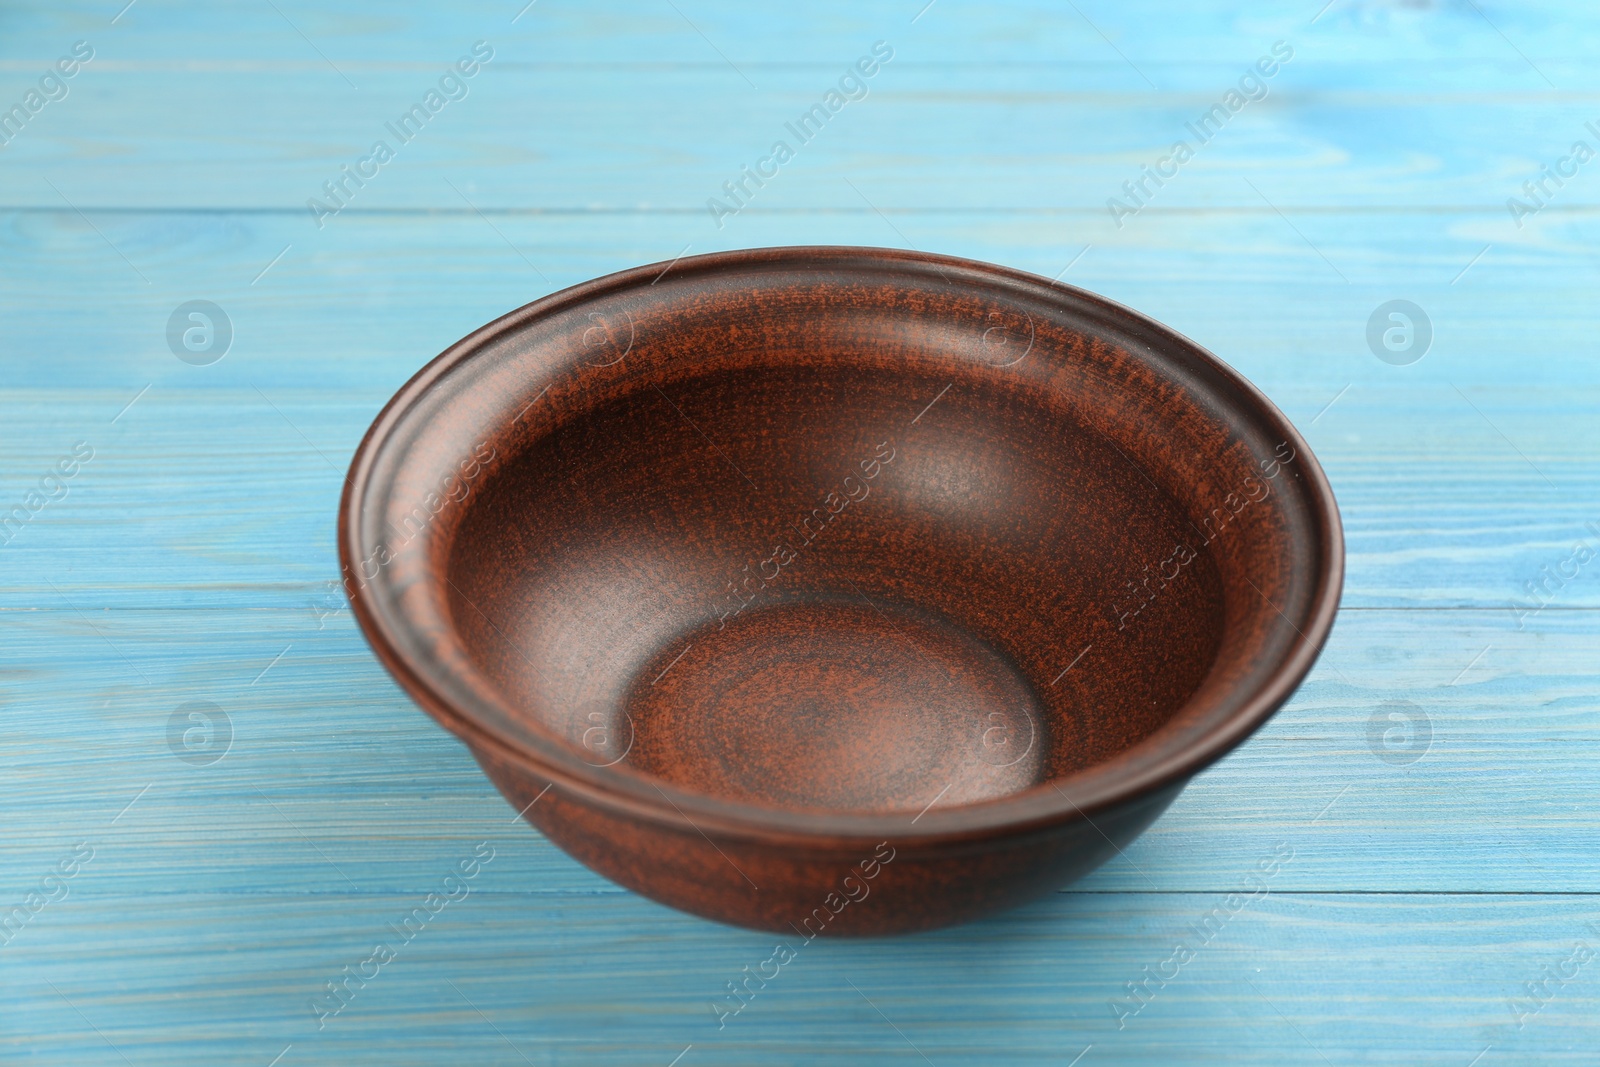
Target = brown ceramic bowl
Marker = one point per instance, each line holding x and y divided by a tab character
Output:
839	590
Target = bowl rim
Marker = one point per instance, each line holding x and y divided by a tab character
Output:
1097	787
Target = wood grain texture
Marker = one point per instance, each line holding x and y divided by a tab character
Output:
196	546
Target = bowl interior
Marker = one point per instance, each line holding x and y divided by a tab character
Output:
840	531
790	584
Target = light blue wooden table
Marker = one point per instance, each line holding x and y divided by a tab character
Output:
1435	779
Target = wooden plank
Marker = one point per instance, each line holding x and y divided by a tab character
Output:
1501	408
228	497
961	31
509	978
632	139
647	111
1247	284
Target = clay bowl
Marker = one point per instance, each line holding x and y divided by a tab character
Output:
839	590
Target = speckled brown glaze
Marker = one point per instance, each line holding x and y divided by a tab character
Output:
839	590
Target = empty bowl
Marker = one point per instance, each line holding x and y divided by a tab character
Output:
839	590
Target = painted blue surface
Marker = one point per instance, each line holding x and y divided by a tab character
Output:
1436	869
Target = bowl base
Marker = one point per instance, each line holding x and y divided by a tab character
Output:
837	704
